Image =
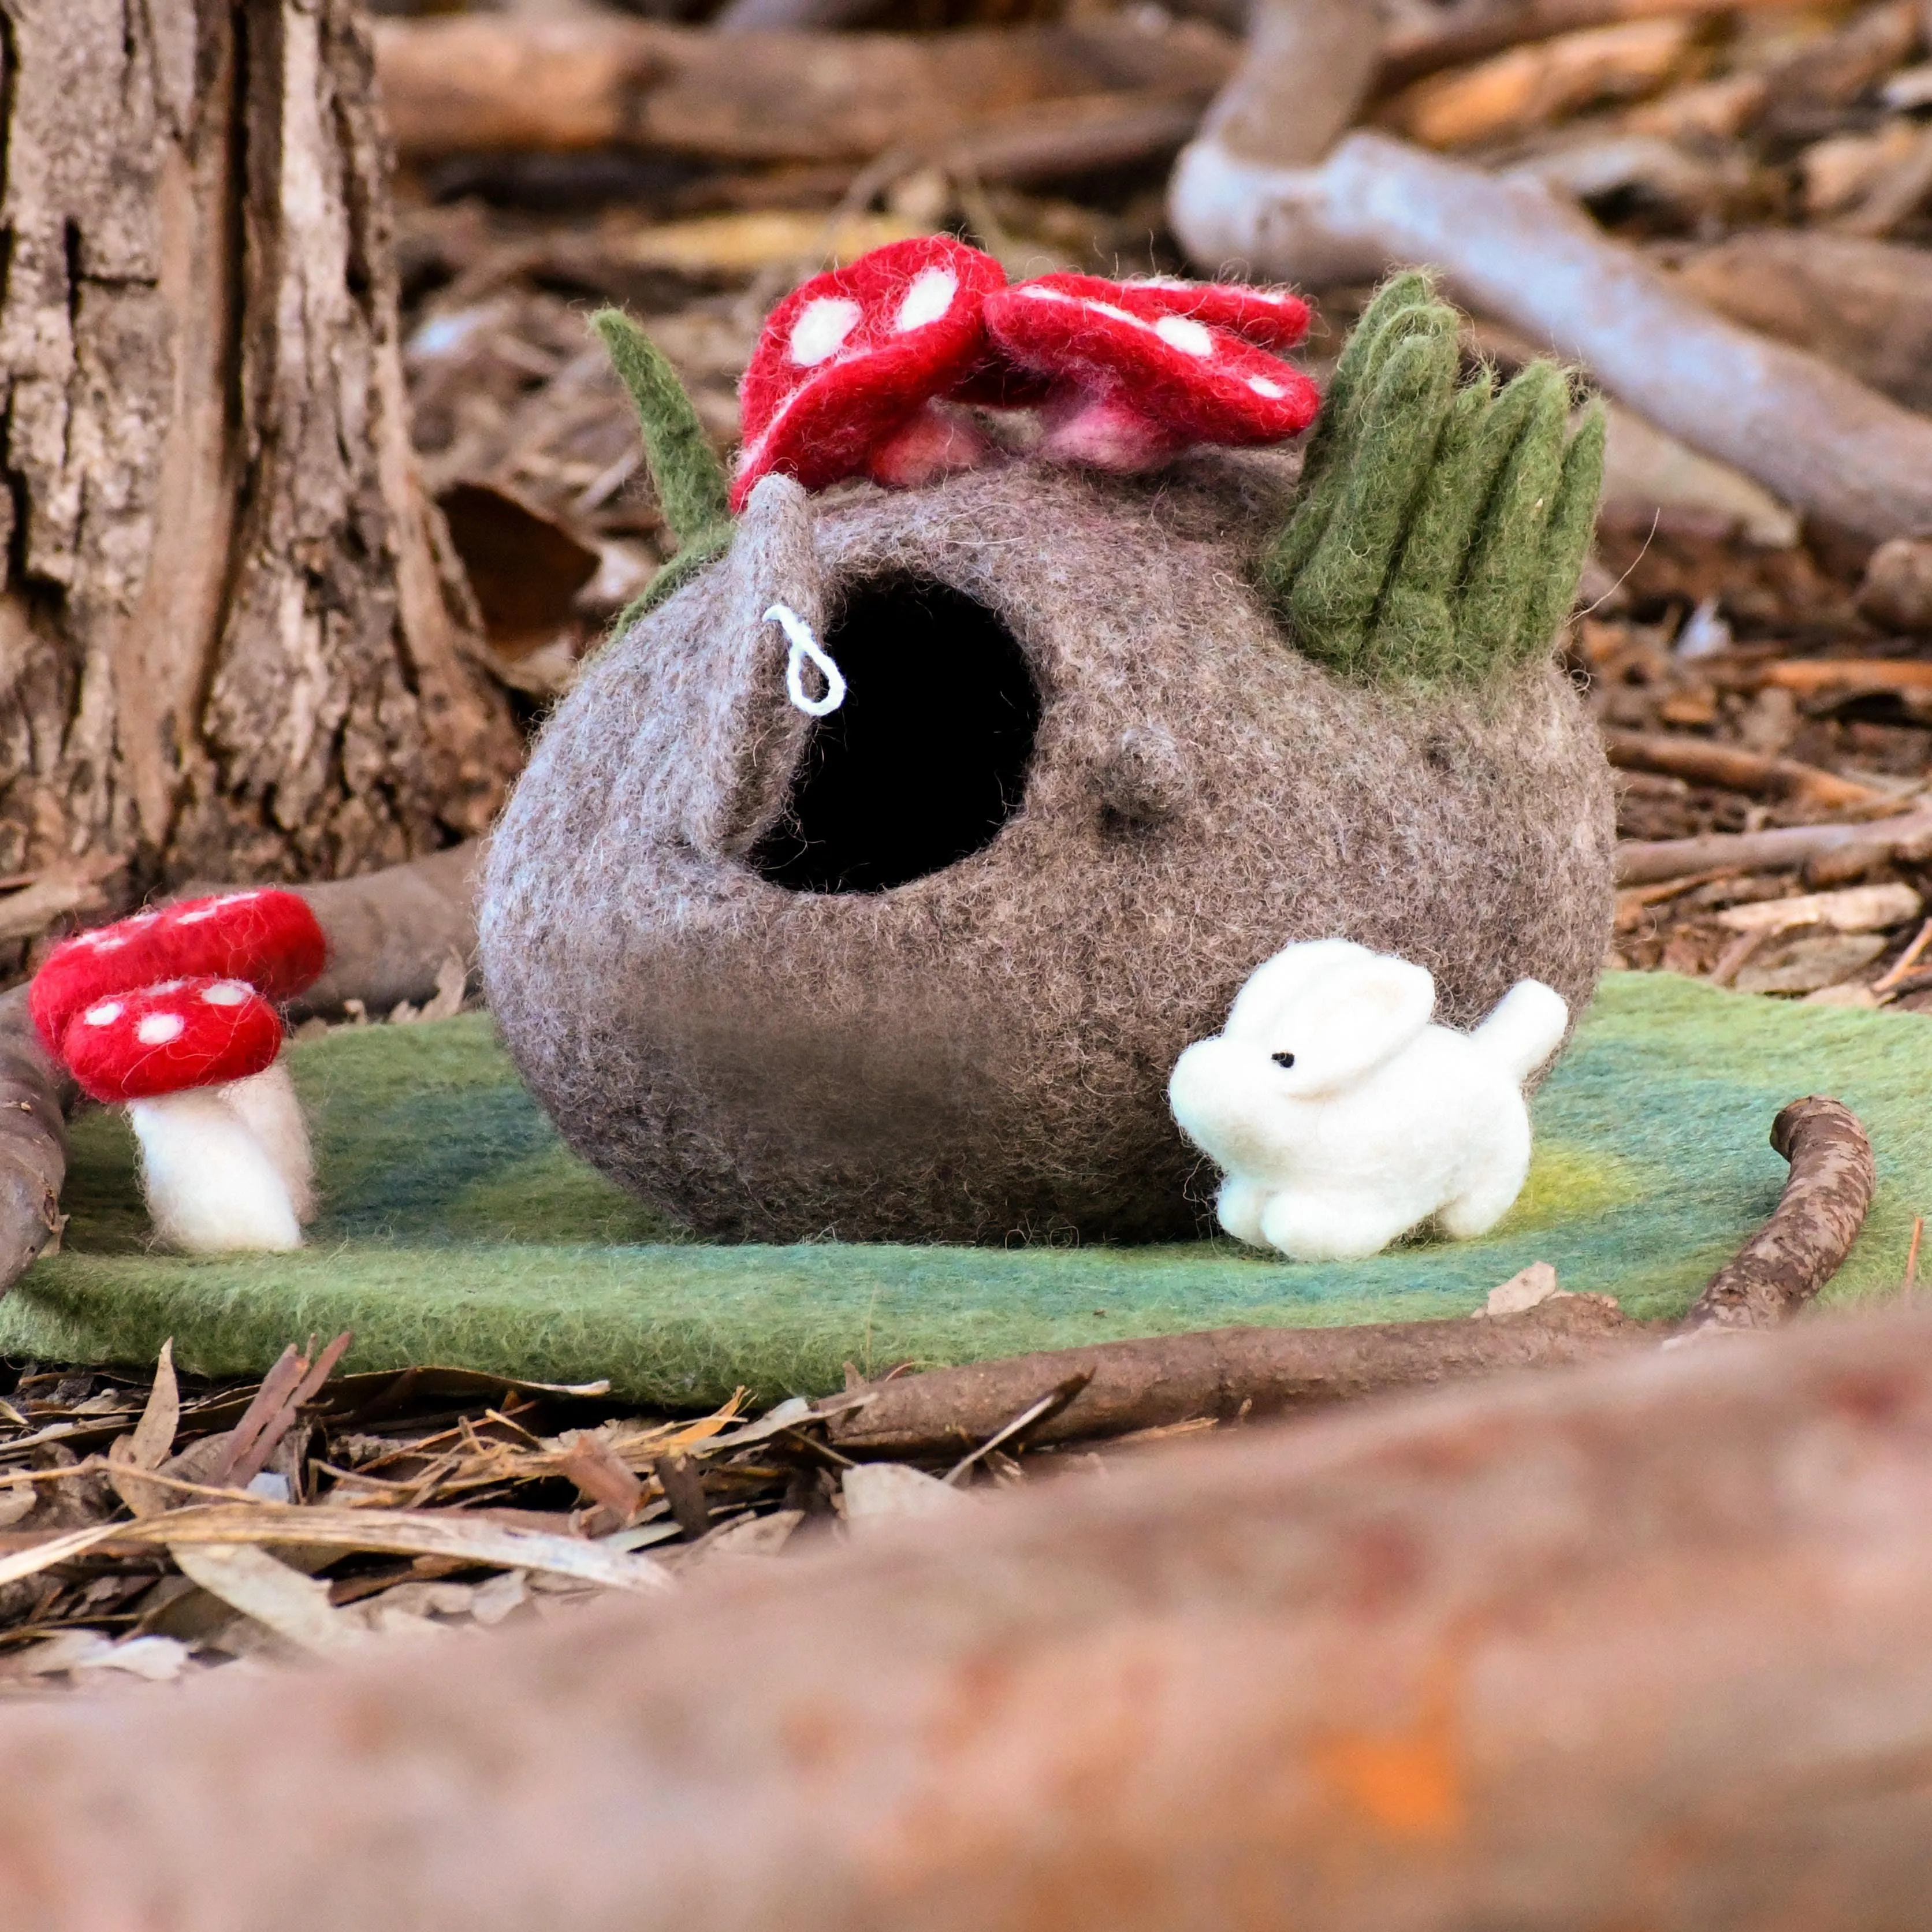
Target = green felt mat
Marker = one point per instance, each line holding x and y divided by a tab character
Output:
459	1231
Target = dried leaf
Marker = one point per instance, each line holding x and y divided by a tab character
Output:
875	1491
154	1438
295	1607
149	1445
448	1533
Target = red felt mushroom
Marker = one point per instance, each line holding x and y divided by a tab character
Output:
172	1014
851	374
268	937
1142	370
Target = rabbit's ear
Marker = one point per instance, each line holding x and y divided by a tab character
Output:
1272	995
1358	1014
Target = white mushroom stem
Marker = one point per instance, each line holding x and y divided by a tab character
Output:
266	1102
226	1169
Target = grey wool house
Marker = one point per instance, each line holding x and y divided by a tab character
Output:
918	968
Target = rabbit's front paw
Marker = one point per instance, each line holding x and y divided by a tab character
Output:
1307	1227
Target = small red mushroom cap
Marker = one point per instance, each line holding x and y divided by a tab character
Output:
269	938
850	359
1275	318
1139	376
201	1032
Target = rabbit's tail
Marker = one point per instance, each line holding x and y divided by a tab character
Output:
1526	1028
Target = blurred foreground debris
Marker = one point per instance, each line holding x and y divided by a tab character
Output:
1469	1659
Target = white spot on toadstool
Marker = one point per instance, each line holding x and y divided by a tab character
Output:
1118	314
105	1014
1262	386
1032	292
821	329
157	1029
1184	333
215	908
929	299
226	993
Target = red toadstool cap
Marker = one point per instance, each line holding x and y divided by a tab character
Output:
202	1032
849	359
1140	375
269	938
1274	317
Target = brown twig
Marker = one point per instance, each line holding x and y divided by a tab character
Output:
1730	767
515	85
390	932
1429	39
1906	835
1825	1198
1222	1372
294	1380
1030	1421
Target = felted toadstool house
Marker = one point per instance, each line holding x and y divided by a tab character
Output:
918	967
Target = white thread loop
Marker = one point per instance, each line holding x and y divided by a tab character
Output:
804	645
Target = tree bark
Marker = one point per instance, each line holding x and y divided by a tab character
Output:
233	637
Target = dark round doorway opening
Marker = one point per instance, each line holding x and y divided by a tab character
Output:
927	757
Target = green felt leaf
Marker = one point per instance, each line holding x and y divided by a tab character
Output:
1439	534
1414	631
1400	420
691	483
458	1231
1388	319
1566	537
1501	576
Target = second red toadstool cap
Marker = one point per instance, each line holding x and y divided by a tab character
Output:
850	357
180	1034
269	938
1275	318
1136	378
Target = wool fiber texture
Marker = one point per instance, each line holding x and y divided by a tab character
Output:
1341	1118
456	1229
980	1055
211	1185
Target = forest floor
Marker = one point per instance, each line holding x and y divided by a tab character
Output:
1745	674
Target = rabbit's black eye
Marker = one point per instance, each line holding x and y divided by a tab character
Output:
1282	1059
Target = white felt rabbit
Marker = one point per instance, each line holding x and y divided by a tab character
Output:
1342	1117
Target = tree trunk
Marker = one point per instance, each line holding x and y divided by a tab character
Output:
233	637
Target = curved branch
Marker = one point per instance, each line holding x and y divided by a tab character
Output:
1507	247
1818	1216
390	932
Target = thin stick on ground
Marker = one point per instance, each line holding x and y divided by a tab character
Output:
1906	835
1220	1372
